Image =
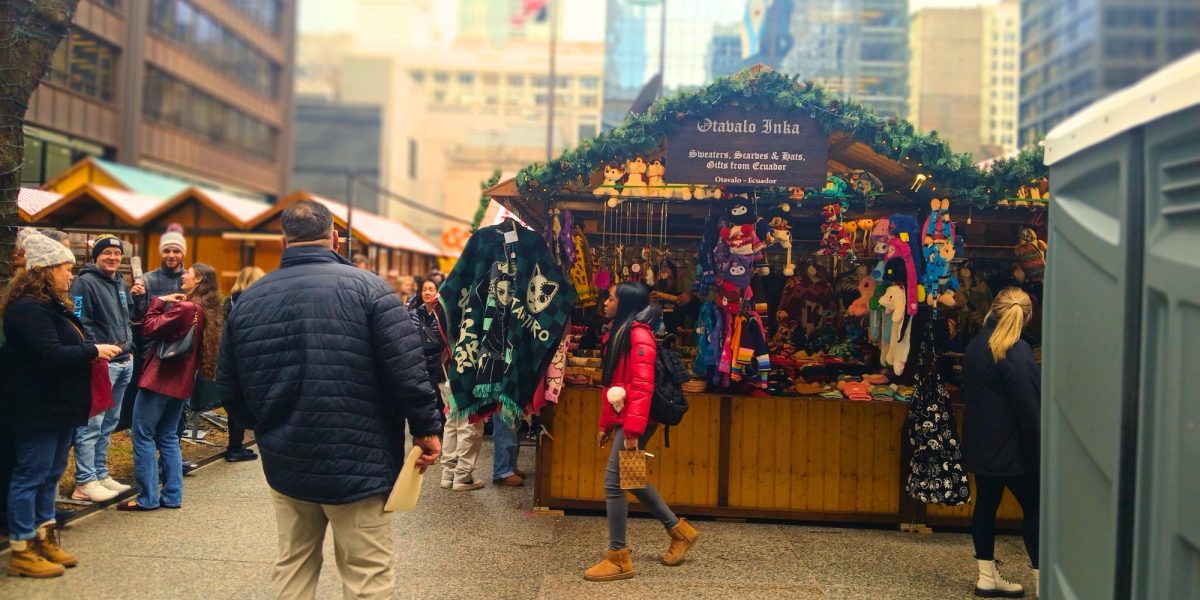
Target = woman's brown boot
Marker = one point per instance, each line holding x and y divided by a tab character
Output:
25	561
47	545
618	564
683	536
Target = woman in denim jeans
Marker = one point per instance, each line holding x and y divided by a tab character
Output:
629	353
47	374
167	383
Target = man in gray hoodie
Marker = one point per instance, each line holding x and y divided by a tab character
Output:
102	304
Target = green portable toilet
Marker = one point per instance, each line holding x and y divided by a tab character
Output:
1120	412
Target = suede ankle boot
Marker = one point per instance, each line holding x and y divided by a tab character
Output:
25	561
47	546
617	564
683	536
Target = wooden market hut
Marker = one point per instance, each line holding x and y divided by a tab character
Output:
388	243
795	458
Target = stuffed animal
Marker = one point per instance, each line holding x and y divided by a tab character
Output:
864	182
739	235
939	280
898	250
729	297
612	175
700	192
654	177
866	290
938	225
796	193
635	180
895	349
785	331
835	241
735	269
880	234
1031	254
834	186
781	233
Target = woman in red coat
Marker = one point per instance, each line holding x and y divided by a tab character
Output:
167	383
629	353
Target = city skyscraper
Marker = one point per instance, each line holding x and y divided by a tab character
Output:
1001	77
856	48
1074	53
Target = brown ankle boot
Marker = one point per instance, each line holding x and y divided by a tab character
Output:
683	536
26	562
47	546
618	564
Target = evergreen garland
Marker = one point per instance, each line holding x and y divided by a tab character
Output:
955	175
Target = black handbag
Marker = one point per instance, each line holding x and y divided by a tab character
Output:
169	349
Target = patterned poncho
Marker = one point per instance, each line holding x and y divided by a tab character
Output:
507	304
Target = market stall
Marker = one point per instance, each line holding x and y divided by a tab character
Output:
811	259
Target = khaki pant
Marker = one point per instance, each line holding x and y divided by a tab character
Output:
362	546
461	441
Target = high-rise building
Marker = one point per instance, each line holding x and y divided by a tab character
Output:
1001	78
856	48
199	89
1073	53
945	73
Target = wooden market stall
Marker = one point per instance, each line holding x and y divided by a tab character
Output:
791	457
388	243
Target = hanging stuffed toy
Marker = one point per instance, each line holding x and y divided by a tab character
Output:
835	187
612	177
781	233
735	269
898	249
835	241
866	290
602	277
906	228
880	234
896	347
739	235
939	280
654	179
1031	254
938	225
635	180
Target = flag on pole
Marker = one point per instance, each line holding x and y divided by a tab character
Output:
535	9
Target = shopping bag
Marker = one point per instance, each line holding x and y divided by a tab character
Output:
102	399
633	469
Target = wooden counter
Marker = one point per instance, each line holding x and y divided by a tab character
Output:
804	459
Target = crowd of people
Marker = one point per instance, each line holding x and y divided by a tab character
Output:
329	364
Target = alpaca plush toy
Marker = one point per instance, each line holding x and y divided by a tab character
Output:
612	175
781	233
834	239
635	180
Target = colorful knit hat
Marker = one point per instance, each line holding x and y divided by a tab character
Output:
104	242
173	237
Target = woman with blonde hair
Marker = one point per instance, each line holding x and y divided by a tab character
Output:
1002	432
186	332
236	451
46	371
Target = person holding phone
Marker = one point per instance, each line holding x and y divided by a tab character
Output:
168	381
101	302
629	355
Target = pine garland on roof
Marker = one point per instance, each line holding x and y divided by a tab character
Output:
759	88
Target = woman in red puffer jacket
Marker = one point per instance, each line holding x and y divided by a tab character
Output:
629	353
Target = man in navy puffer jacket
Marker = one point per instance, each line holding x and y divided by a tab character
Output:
322	360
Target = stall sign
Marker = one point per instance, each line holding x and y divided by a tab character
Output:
748	148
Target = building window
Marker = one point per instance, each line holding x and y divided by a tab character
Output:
587	131
85	64
441	77
539	99
266	13
439	97
589	101
589	83
539	81
466	79
563	82
418	77
515	80
196	31
173	102
490	79
412	158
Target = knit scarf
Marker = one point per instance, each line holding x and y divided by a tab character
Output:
507	304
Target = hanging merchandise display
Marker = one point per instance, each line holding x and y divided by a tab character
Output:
936	473
507	305
813	268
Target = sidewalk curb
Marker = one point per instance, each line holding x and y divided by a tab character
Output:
94	508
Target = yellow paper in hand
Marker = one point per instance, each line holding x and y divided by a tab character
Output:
408	485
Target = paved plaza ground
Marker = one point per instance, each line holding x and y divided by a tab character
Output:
485	544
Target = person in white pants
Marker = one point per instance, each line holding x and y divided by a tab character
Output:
461	442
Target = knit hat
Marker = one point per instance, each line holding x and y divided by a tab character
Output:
23	233
41	252
173	237
104	242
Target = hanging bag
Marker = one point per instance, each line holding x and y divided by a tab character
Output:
169	349
633	469
102	399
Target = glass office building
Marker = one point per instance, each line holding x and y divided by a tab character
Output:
858	48
1074	53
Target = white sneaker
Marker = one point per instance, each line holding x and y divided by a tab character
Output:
468	486
92	491
114	485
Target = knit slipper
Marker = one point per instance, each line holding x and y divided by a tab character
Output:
832	394
876	379
133	506
883	392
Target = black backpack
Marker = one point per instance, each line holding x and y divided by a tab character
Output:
668	405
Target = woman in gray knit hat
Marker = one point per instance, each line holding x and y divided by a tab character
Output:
47	373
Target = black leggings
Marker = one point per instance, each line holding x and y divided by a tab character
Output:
237	433
988	493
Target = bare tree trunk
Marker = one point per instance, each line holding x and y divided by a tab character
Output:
30	31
